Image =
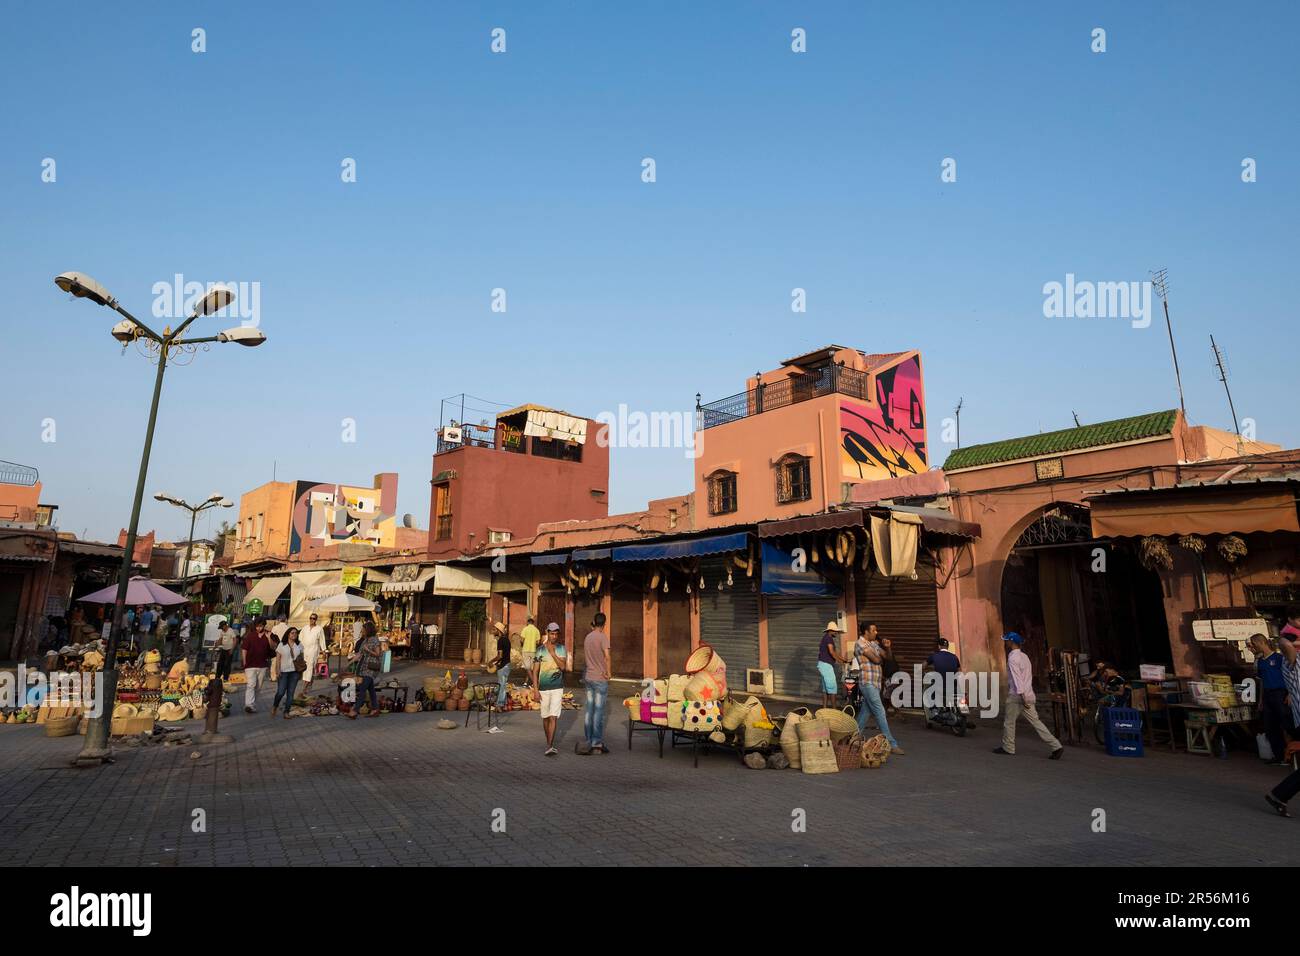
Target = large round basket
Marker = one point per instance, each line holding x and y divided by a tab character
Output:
704	685
699	659
842	722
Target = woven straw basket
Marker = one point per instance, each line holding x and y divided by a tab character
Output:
817	756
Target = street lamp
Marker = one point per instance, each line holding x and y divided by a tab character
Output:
212	501
131	329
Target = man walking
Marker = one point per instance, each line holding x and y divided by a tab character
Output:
595	680
225	649
257	651
529	637
1020	699
1281	795
868	660
313	646
502	663
547	676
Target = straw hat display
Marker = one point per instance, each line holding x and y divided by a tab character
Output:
172	711
125	711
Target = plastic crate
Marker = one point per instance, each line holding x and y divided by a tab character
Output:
1123	732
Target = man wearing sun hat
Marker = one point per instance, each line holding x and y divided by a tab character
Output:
1020	700
828	653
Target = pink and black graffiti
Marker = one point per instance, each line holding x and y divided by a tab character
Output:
886	440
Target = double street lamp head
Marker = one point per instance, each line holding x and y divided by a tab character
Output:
82	286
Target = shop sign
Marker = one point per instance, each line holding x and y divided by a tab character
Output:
406	572
1231	629
255	606
352	577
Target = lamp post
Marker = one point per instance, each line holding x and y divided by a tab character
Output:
215	500
164	346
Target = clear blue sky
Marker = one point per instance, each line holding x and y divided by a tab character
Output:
522	171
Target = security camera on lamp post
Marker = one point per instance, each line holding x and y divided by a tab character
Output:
160	348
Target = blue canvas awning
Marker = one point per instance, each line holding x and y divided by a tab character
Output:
591	554
683	549
780	577
550	559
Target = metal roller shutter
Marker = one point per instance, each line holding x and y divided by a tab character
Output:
729	621
794	628
905	611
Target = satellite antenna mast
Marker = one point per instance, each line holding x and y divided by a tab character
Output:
957	412
1223	377
1160	282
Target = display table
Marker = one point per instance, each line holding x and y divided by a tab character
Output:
682	738
1202	724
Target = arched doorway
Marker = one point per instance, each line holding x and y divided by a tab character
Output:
1067	591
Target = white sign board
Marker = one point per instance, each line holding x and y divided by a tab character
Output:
1234	629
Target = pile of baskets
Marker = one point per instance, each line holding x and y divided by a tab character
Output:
828	741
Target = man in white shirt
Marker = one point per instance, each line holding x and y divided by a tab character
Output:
1020	700
281	625
313	645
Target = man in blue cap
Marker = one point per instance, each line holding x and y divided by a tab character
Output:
1020	700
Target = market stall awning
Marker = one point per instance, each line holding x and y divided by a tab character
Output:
462	582
938	521
683	549
329	589
780	576
831	519
550	559
268	590
1193	510
415	586
591	554
507	582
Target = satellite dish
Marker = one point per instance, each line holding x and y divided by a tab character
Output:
408	521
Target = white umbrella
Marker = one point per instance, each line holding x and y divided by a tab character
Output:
336	603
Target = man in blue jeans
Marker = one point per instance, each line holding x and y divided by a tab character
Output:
868	656
596	682
502	663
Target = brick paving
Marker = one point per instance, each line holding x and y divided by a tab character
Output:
395	790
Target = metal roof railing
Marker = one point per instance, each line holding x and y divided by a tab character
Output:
14	474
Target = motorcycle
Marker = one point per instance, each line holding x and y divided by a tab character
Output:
953	714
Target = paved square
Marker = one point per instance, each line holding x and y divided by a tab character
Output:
395	790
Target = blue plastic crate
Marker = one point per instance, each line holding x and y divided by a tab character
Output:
1123	732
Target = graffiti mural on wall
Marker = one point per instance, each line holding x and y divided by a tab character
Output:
887	439
327	514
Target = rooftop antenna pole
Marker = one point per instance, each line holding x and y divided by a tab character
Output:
1223	377
1160	282
1076	418
957	412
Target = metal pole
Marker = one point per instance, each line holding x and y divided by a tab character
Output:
189	546
95	747
1177	375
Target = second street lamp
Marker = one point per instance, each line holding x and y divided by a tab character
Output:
161	347
212	501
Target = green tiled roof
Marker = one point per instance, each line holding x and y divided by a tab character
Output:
1067	439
